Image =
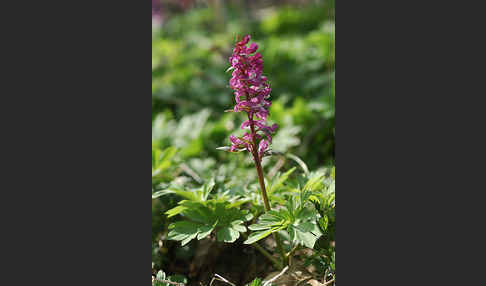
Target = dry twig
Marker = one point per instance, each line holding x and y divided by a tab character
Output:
191	173
220	278
276	276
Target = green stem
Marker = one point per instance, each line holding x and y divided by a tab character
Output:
291	253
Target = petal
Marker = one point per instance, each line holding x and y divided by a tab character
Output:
253	47
262	147
245	124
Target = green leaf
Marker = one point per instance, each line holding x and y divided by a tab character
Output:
269	222
256	236
314	183
306	214
188	238
207	188
190	194
178	278
238	226
162	160
306	233
205	218
159	194
278	182
256	282
175	211
182	230
323	223
204	231
248	216
271	217
199	213
227	234
258	226
161	275
305	238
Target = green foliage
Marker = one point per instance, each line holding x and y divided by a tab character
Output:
204	218
219	214
279	180
256	282
298	218
198	194
161	161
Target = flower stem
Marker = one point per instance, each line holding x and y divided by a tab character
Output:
261	180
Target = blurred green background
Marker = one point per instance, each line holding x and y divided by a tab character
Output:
191	43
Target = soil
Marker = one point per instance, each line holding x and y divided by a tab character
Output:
237	262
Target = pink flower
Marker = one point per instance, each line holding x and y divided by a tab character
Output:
262	147
252	92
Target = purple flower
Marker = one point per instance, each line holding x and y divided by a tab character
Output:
262	147
252	92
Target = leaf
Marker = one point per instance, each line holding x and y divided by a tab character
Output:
207	188
199	213
188	239
198	194
177	278
305	238
162	160
306	214
273	217
239	202
248	216
256	236
160	276
332	187
323	223
227	234
306	233
204	231
268	223
239	228
278	182
182	230
159	194
258	226
256	282
175	211
314	183
205	218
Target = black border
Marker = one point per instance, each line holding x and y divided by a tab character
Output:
76	146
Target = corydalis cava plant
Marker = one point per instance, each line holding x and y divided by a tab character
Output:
252	93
